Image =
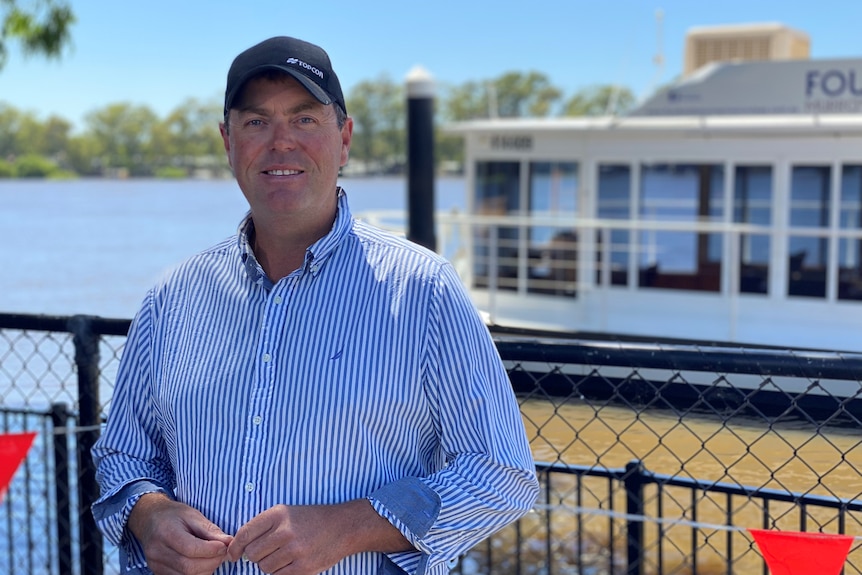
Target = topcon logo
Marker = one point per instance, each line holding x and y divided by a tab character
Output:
306	66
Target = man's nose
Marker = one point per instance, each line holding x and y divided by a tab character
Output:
283	136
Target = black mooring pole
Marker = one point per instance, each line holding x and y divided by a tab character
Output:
420	158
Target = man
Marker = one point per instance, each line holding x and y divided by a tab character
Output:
313	393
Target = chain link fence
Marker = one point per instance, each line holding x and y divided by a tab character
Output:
56	378
654	458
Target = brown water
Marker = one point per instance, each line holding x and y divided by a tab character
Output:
793	457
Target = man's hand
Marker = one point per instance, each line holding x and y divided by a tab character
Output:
177	539
305	540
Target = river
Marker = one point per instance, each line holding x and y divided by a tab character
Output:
94	246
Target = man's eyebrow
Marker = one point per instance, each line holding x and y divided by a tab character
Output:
301	107
305	106
251	110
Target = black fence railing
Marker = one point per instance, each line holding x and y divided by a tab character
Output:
52	371
642	514
658	456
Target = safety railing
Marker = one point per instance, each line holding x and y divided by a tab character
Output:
658	456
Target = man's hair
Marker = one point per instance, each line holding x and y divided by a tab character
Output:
276	76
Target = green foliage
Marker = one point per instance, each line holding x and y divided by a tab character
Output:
125	132
7	169
60	174
449	150
189	131
469	101
121	139
172	173
23	133
529	94
377	108
124	139
43	27
82	155
34	166
600	101
512	95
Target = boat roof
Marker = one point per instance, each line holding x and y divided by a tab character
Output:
781	97
783	124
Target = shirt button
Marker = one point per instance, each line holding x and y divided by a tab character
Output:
249	486
314	269
277	299
257	419
266	357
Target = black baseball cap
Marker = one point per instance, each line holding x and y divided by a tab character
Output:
308	63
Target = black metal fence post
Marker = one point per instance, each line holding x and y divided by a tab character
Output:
87	364
62	487
420	158
634	485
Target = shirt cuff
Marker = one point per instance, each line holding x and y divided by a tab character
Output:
112	513
409	501
411	507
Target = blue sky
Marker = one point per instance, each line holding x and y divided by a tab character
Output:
160	52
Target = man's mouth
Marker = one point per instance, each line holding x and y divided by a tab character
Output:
282	172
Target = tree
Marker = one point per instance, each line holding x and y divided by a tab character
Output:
43	138
189	137
519	95
83	155
55	136
10	129
34	166
125	134
393	111
377	108
600	101
7	169
359	103
43	28
469	101
511	95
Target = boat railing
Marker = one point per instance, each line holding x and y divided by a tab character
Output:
563	255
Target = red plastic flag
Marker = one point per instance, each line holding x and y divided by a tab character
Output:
795	553
13	450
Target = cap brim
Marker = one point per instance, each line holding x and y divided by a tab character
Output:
315	90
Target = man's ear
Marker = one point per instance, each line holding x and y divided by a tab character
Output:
225	138
346	138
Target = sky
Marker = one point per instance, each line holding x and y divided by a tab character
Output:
159	53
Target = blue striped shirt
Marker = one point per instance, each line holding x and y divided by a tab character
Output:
366	373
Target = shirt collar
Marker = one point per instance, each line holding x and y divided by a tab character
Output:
315	256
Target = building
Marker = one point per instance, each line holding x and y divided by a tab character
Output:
733	43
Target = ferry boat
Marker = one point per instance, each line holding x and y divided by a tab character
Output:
726	208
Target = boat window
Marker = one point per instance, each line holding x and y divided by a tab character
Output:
752	204
850	248
612	244
680	195
552	250
808	248
495	246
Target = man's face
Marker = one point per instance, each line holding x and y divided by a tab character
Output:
285	148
